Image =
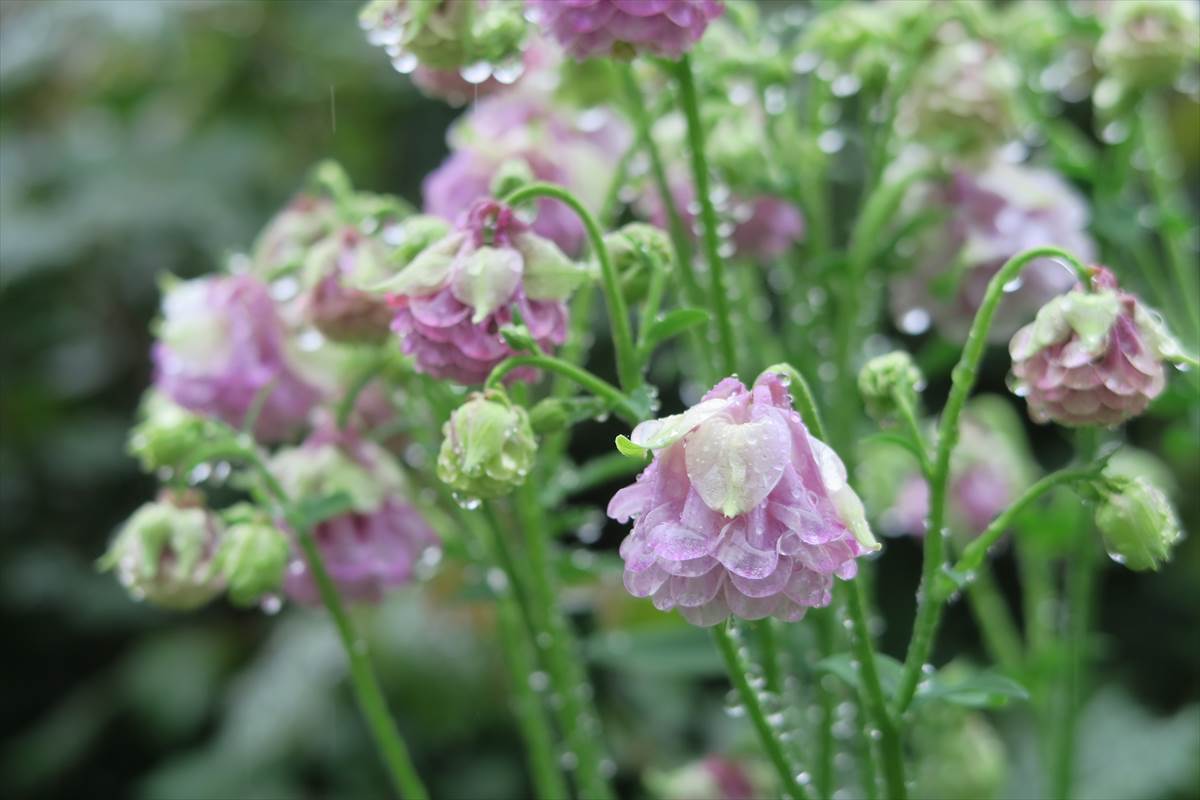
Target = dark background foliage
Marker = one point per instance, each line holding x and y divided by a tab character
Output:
141	138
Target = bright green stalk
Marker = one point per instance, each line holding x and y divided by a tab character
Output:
767	735
618	314
594	384
962	381
718	292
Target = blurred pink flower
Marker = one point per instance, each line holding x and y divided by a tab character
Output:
587	28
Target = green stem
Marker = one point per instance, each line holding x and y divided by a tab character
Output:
594	384
962	381
577	715
346	405
802	397
909	417
362	675
889	735
1000	635
758	718
548	781
618	314
825	625
718	292
769	652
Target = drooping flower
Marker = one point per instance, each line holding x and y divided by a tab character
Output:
375	545
252	556
450	85
164	553
741	512
623	28
334	267
578	151
488	447
284	242
1137	523
452	300
445	35
221	344
1148	44
990	216
1091	358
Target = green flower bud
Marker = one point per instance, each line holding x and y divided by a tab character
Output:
445	35
1147	45
164	554
168	434
884	377
511	175
252	558
637	250
488	447
1137	522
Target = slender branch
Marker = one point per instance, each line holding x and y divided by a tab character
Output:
346	405
594	384
889	736
825	625
758	718
962	381
618	314
718	292
802	397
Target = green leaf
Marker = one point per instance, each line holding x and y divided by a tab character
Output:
628	448
985	689
676	651
846	667
314	510
672	324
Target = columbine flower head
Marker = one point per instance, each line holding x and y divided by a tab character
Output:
488	447
1137	522
624	28
221	343
741	512
374	546
446	35
167	434
577	151
991	215
1091	358
1148	44
452	299
990	467
164	553
449	85
962	99
284	243
334	267
637	250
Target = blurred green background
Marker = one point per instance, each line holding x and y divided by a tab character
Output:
139	138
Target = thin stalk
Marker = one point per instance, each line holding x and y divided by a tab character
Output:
825	626
593	383
346	405
535	729
577	715
962	381
767	735
881	717
908	416
718	292
768	647
362	675
618	314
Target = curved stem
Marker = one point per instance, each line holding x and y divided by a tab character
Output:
618	314
889	736
362	675
802	397
909	417
594	384
718	293
346	405
758	718
962	381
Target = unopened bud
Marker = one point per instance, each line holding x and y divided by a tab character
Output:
1137	522
252	558
886	380
488	447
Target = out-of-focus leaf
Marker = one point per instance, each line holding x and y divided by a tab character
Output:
985	689
847	667
680	651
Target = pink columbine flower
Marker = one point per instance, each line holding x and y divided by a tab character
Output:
336	266
741	511
1091	358
990	216
221	343
575	151
452	300
375	546
623	28
764	227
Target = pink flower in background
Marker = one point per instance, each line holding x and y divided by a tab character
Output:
990	216
373	547
1091	358
334	305
587	28
221	343
452	300
741	511
764	227
578	151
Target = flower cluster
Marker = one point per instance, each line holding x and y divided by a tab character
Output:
741	512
